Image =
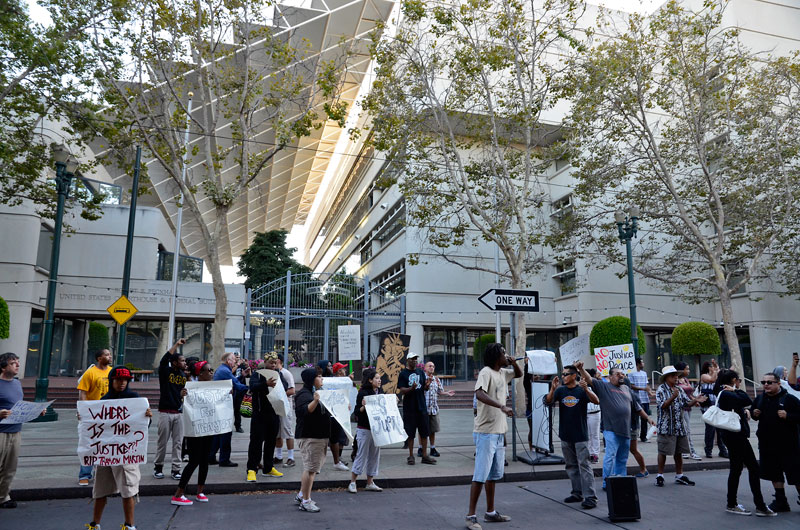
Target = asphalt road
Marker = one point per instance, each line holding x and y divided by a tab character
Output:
535	504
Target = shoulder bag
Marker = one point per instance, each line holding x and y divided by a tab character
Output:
722	419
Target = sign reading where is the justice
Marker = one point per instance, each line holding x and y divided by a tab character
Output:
511	300
113	432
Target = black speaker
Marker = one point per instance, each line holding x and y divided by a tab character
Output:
623	499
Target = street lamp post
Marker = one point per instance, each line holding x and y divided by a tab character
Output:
65	171
627	225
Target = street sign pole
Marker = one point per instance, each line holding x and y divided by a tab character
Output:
126	275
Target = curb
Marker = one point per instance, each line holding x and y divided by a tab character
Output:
538	473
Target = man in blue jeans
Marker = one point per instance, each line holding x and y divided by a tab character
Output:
491	424
222	442
616	403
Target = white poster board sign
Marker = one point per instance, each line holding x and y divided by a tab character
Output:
25	411
541	362
277	394
573	350
620	356
385	421
337	402
540	416
113	432
207	408
349	343
342	383
785	385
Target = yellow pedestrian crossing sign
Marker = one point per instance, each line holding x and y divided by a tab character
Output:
122	310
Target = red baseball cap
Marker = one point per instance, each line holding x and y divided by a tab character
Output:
338	366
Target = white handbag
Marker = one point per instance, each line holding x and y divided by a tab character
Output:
722	419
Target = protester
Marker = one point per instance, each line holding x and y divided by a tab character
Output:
198	448
639	383
792	379
708	378
412	385
778	414
435	388
491	390
635	431
222	442
325	368
287	421
241	373
93	385
738	444
264	423
688	389
368	458
312	432
171	380
338	439
122	479
593	416
10	433
573	398
673	431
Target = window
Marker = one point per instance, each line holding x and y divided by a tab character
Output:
562	206
565	274
189	269
45	251
561	163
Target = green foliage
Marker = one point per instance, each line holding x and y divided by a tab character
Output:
615	330
480	346
98	337
267	259
696	338
5	319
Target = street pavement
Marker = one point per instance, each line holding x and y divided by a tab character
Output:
531	504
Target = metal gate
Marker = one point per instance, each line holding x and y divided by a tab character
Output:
298	316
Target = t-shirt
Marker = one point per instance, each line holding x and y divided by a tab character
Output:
414	400
10	394
572	403
170	383
616	403
492	420
94	382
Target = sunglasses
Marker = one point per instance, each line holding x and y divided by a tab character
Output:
565	374
765	383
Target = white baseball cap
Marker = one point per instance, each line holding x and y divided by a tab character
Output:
412	355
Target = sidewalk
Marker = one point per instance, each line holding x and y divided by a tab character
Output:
48	463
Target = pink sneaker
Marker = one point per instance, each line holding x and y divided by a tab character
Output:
181	501
201	498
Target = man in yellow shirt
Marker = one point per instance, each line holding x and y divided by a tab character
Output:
92	385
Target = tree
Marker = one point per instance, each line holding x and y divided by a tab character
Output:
5	319
695	338
264	88
46	77
480	346
613	331
674	115
268	259
459	108
98	337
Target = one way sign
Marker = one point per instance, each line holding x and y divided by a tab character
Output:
510	300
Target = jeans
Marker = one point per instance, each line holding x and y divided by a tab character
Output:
490	455
221	443
85	473
616	458
741	455
579	470
644	424
264	430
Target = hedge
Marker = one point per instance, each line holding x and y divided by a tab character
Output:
5	319
696	338
615	330
98	337
480	346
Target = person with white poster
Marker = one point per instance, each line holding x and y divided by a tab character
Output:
124	478
312	432
264	423
287	421
368	458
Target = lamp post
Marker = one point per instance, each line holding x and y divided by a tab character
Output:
65	171
627	224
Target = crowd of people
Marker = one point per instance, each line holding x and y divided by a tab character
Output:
616	407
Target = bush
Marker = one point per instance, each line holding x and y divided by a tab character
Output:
696	338
480	346
612	331
98	337
5	319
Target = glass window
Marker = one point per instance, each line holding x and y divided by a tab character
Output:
34	344
45	248
189	269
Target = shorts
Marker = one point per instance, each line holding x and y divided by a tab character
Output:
287	425
414	421
313	451
672	445
775	462
433	423
110	480
490	456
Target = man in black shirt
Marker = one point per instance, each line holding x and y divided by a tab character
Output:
171	380
573	398
412	385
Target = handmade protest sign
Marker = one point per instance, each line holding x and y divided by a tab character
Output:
349	343
344	384
207	408
385	421
277	394
541	362
337	402
112	432
573	350
620	356
25	411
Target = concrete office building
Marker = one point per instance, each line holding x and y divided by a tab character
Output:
357	226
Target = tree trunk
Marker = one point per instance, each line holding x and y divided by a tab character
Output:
730	330
220	309
521	331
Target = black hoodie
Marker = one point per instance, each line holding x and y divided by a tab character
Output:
315	424
774	431
125	394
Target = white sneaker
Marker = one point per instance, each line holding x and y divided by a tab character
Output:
695	456
298	499
341	466
352	487
309	506
373	487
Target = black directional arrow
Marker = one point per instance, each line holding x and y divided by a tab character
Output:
510	300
